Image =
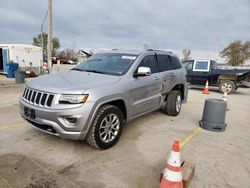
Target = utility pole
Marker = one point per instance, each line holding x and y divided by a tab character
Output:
49	45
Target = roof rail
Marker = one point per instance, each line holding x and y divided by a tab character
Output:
160	51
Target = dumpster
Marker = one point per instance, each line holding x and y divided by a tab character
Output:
11	68
19	77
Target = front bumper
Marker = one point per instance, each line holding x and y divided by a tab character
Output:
53	121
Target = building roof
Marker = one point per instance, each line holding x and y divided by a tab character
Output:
20	46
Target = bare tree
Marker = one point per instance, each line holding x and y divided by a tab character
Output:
186	54
236	53
68	54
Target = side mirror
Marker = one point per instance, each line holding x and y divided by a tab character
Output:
143	71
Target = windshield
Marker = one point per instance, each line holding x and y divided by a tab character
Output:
107	63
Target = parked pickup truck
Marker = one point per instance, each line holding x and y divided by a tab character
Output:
228	80
96	98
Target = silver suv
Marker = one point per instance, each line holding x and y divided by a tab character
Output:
96	98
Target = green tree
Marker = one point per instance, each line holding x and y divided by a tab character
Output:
42	38
236	53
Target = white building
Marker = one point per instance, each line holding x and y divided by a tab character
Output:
25	56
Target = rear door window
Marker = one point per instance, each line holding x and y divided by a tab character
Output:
164	62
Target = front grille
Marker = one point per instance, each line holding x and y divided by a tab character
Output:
37	97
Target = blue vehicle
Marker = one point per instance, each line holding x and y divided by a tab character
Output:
227	80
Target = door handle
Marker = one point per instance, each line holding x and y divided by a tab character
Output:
157	78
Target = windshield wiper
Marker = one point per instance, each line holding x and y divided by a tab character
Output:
95	71
88	70
77	69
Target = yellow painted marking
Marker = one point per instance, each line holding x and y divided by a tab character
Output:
190	137
17	125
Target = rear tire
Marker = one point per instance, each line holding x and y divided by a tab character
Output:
227	86
174	103
106	128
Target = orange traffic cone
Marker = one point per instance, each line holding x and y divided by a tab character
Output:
206	90
225	99
172	177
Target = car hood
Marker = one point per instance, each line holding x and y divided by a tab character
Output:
71	82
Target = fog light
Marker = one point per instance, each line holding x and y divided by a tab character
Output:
71	119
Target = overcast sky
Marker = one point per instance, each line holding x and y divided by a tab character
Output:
207	25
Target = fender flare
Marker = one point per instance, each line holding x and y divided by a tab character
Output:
227	77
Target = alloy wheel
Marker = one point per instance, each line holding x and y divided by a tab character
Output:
109	128
178	103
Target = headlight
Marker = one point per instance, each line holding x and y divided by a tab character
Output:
73	99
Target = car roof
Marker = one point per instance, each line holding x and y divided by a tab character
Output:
200	59
134	52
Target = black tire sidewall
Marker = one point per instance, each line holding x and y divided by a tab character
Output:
98	140
179	94
177	112
170	108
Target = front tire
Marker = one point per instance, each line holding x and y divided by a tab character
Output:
227	86
174	103
106	128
